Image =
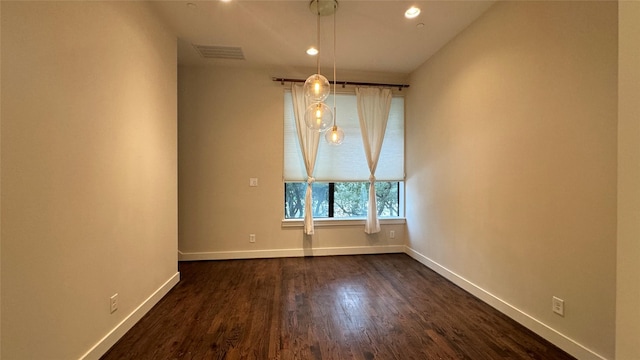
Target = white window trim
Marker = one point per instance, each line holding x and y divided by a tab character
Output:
329	222
353	221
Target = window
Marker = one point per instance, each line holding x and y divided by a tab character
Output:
342	199
341	172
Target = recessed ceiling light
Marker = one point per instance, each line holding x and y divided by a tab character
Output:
412	12
420	25
312	51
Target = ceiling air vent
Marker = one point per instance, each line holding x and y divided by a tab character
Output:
220	52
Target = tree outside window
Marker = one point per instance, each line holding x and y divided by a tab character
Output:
342	199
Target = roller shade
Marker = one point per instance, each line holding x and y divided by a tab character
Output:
346	162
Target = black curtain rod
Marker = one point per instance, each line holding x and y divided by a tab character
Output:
344	83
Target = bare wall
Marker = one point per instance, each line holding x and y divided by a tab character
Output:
628	279
89	171
511	164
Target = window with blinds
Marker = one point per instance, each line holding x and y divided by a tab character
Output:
341	172
346	162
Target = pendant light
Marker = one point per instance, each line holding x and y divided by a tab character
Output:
318	116
317	87
335	136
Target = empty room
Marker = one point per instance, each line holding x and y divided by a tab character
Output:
320	179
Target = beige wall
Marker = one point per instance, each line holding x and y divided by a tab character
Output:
628	291
230	130
511	164
0	189
89	164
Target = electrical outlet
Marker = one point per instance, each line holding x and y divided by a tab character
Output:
252	238
557	305
253	182
392	234
113	301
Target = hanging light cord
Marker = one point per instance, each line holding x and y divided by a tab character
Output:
318	32
335	9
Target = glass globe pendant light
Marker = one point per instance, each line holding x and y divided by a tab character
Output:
335	136
318	117
317	87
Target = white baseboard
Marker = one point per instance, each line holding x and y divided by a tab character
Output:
565	343
125	325
299	252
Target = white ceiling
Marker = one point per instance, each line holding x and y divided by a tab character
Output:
371	35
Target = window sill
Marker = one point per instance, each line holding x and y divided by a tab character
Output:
322	222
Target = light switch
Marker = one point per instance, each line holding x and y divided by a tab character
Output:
253	182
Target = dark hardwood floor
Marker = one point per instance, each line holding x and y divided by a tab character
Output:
334	307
